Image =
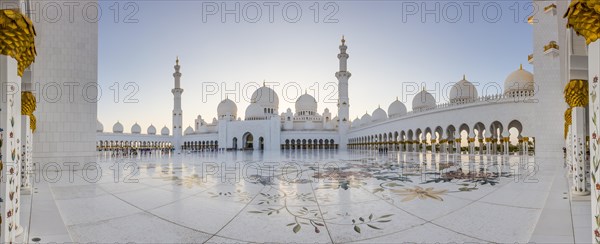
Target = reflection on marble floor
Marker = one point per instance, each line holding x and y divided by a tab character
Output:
305	196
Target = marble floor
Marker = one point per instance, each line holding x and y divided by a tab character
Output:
297	196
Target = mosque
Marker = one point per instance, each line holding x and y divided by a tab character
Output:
555	107
526	116
469	121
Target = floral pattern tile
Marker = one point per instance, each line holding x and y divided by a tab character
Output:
328	197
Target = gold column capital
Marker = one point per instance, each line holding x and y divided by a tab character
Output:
17	38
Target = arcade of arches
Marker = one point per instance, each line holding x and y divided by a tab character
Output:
132	147
309	144
493	139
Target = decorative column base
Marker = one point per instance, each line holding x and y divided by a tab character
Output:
580	171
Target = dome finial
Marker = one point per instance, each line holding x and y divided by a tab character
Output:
396	98
521	67
264	83
177	60
464	77
343	40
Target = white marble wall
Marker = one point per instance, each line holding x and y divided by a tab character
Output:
67	54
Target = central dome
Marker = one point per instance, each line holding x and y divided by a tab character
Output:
265	97
462	91
227	108
306	103
255	112
518	82
423	101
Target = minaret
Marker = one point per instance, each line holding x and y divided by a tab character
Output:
343	102
177	112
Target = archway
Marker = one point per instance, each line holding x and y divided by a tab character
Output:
515	131
248	140
261	143
480	131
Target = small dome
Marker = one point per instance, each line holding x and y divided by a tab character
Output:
165	131
265	97
379	115
356	122
227	108
462	91
518	81
423	101
306	102
118	127
136	129
365	119
99	126
255	112
188	131
151	130
396	109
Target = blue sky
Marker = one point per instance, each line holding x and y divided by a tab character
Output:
389	56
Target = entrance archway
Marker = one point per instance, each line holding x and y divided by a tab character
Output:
261	143
248	141
235	144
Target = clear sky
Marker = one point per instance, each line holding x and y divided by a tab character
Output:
391	53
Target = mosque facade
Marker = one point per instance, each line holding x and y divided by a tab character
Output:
467	122
518	118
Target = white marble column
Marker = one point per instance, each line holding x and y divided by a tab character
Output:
580	181
569	151
27	165
10	122
594	130
526	145
506	142
443	146
457	146
471	140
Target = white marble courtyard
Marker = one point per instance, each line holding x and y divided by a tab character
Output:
312	196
